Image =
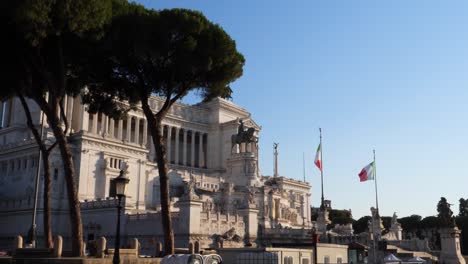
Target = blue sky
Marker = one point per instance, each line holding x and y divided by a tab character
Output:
384	75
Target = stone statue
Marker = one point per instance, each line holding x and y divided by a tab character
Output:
394	219
445	214
243	136
189	190
251	196
266	211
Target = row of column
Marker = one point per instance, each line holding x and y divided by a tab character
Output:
108	127
182	147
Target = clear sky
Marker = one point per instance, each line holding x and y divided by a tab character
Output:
389	75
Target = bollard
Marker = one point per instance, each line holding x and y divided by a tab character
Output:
191	248
101	244
18	242
197	247
58	246
136	245
158	249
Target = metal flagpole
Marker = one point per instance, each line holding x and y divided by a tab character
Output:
321	164
375	182
377	210
303	165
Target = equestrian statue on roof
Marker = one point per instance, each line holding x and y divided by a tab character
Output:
243	136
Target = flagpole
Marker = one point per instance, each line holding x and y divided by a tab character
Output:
375	182
303	165
321	163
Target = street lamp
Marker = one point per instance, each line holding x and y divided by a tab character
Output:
315	240
120	185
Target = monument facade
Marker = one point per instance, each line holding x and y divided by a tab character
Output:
218	195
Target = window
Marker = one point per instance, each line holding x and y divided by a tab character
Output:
114	163
55	174
25	163
339	260
305	261
288	260
326	259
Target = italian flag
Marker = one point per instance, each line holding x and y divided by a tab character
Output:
367	172
318	157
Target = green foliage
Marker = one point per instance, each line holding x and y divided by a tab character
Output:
410	223
40	19
387	221
340	217
360	225
166	53
463	207
429	222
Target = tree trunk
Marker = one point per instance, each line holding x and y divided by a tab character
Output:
46	169
154	125
73	202
67	161
47	208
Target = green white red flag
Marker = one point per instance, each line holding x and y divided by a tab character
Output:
318	157
367	173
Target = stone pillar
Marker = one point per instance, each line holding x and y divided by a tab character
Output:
84	119
145	132
192	150
168	144
197	247
101	247
176	160
18	243
251	225
104	124
184	151
58	246
158	249
129	129
200	150
1	113
135	244
120	130
137	130
189	213
450	246
69	112
191	248
111	127
95	123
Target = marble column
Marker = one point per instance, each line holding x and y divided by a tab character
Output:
145	132
120	130
137	130
111	128
168	144
184	151
95	122
200	150
1	113
84	125
6	122
69	112
176	160
129	129
192	150
104	124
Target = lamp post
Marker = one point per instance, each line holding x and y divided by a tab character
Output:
315	239
120	185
